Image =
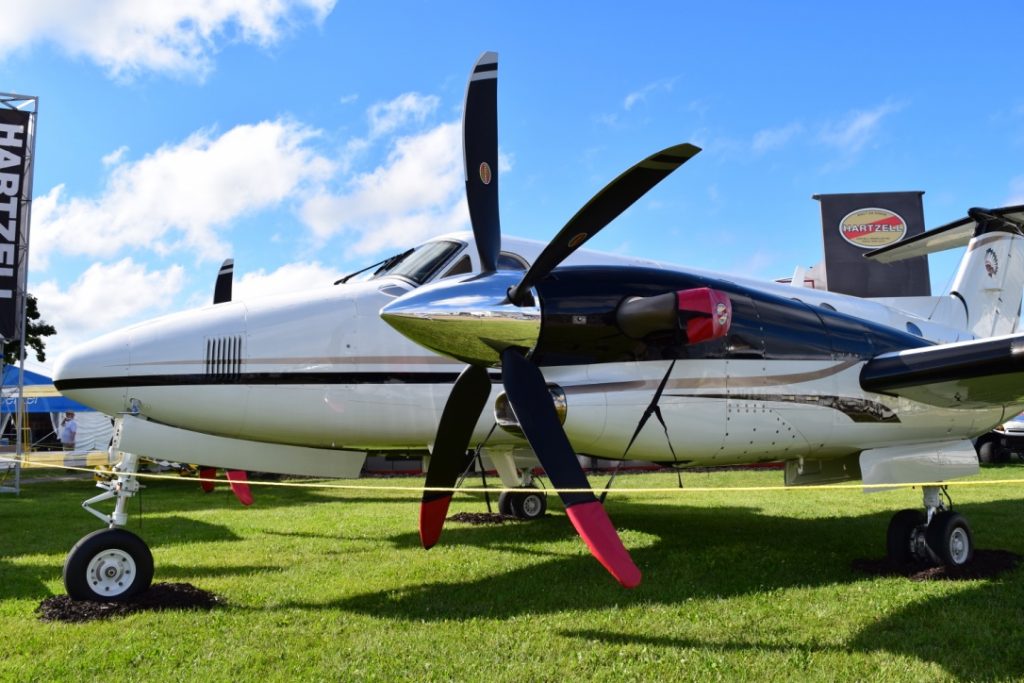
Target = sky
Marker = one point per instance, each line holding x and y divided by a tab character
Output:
308	138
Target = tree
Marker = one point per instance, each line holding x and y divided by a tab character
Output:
35	330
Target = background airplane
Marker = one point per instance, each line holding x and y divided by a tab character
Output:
308	383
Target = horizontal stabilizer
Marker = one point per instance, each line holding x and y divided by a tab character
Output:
949	236
971	374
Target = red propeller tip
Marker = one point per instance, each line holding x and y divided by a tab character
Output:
207	473
237	480
432	516
595	528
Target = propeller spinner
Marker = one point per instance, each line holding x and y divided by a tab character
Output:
494	318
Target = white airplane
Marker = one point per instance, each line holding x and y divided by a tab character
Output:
740	371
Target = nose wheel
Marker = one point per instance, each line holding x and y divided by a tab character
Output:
108	565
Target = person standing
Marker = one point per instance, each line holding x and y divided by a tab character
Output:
68	431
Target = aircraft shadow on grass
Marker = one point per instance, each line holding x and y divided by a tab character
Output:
718	552
989	646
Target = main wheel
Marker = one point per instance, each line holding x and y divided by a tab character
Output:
108	565
986	451
530	505
899	538
526	504
949	537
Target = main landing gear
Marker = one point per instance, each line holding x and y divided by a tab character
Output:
111	564
526	502
936	535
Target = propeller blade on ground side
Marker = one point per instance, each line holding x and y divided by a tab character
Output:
448	457
528	394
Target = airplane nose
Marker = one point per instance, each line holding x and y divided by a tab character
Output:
93	373
470	320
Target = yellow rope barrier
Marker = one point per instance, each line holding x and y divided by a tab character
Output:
480	489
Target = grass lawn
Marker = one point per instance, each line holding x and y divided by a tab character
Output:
327	584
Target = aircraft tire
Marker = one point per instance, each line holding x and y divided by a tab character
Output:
949	537
526	504
505	503
899	536
109	565
986	451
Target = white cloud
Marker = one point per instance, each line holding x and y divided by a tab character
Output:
855	131
179	196
104	297
292	277
640	95
774	138
1016	192
417	193
128	37
386	117
115	157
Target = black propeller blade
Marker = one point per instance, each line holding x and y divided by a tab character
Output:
222	288
480	156
603	208
528	394
448	458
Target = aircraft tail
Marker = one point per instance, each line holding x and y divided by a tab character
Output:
990	280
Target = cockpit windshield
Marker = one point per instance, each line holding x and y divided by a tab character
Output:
420	264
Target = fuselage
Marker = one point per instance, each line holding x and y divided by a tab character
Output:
321	369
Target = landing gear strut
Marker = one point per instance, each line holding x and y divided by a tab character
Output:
936	536
111	564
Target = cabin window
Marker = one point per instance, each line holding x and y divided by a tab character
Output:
509	261
461	268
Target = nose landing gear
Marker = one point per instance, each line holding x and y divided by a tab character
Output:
111	564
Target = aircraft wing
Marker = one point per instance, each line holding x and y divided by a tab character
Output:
949	236
971	374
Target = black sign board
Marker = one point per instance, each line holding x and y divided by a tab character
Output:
854	224
14	146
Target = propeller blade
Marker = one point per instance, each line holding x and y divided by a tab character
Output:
448	458
480	156
528	394
207	473
222	289
602	209
238	480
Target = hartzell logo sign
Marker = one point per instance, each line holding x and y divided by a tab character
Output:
872	228
13	138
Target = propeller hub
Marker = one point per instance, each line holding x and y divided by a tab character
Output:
470	319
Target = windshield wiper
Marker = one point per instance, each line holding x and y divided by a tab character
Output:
384	265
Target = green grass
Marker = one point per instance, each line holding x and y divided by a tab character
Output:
331	585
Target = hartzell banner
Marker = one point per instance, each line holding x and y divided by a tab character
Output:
854	224
14	131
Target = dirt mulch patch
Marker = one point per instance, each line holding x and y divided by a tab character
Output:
985	565
482	518
160	596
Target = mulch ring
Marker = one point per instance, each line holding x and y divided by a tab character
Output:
482	518
160	596
986	564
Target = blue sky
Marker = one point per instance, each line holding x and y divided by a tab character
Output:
306	138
